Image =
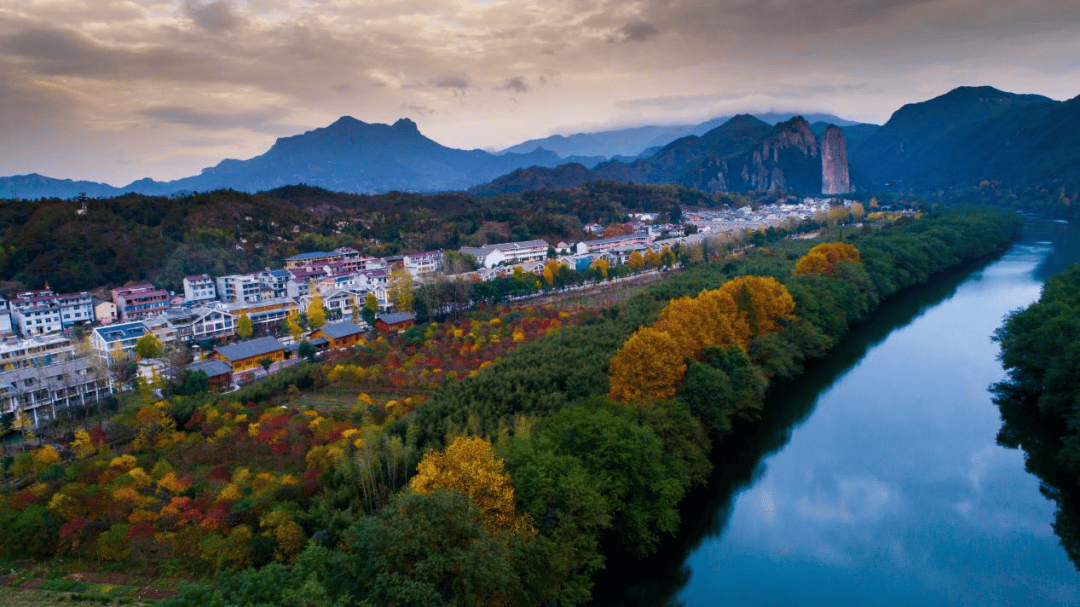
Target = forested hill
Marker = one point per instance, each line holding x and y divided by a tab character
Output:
133	237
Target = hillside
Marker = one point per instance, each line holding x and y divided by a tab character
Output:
929	145
743	154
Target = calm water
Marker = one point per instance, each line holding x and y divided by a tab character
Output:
876	479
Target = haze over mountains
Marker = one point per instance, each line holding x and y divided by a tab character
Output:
958	139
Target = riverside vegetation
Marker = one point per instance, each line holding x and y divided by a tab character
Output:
496	460
1040	399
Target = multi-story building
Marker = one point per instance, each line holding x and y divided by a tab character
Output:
35	351
200	287
265	312
604	244
41	312
104	312
491	255
140	301
120	338
201	323
5	317
42	392
311	259
426	263
237	288
275	283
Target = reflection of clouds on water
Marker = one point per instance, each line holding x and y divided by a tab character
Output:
853	500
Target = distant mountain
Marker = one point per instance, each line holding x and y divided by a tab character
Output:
932	144
644	140
347	156
742	154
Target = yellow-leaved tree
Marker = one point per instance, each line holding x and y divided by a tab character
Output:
316	314
649	366
468	466
823	258
762	300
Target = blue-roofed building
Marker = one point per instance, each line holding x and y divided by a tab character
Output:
103	340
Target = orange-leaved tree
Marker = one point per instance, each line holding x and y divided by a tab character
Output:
823	258
649	366
762	300
468	466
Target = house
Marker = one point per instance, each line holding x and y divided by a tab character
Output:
40	312
247	355
42	392
337	302
423	264
238	288
140	301
36	351
340	334
311	259
104	312
201	323
217	371
491	255
394	322
104	340
199	287
265	312
604	244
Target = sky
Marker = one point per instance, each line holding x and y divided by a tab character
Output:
116	90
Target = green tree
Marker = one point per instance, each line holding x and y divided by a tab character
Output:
244	326
371	307
148	346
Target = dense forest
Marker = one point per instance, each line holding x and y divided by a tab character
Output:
544	449
134	238
1040	400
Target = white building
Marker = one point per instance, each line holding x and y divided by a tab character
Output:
103	340
491	255
35	351
42	392
199	287
236	288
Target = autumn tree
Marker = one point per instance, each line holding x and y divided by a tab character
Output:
601	265
244	326
649	366
148	346
636	261
316	314
652	259
469	467
400	290
667	257
551	272
823	258
292	321
619	229
762	300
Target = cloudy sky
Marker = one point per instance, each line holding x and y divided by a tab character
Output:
114	90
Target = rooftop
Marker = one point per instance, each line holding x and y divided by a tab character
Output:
250	349
341	329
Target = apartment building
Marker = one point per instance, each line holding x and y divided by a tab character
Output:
140	301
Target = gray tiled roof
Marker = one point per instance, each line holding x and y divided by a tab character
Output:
395	317
212	368
341	329
249	349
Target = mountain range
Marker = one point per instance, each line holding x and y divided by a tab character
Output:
646	140
957	140
742	154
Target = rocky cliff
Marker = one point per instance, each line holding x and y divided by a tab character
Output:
834	162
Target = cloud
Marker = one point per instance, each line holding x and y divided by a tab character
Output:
516	84
342	88
213	16
636	31
419	110
457	82
256	119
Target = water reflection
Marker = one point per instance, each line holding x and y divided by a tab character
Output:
876	478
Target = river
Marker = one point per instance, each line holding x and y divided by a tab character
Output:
875	478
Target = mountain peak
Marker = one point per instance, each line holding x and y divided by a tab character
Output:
406	125
345	122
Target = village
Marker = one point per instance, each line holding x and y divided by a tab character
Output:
62	350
